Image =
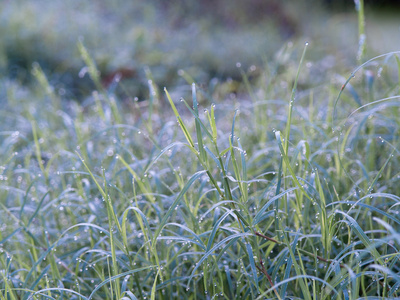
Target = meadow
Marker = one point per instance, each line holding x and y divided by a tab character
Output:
278	179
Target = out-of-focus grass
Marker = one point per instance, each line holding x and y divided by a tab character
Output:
205	39
133	35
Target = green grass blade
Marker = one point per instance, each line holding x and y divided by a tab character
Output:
211	251
398	68
130	294
91	67
183	127
215	228
153	289
174	204
243	154
37	210
294	278
378	175
111	279
289	266
261	211
162	152
213	125
105	196
214	158
362	236
199	134
138	213
38	151
292	99
287	162
252	263
197	118
57	289
299	271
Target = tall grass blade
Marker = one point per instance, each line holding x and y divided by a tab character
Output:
181	124
292	99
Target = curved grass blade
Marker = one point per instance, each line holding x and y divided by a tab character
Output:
163	151
188	230
261	211
124	283
174	204
57	289
369	207
181	239
215	159
130	294
352	75
215	228
115	277
362	236
124	219
211	251
263	295
387	271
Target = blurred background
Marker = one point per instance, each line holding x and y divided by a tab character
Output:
204	39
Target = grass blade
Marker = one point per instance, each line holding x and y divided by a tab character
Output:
183	127
362	236
252	263
111	279
174	204
292	98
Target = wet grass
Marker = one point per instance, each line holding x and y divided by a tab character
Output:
283	184
283	190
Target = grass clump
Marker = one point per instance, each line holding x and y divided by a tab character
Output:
283	190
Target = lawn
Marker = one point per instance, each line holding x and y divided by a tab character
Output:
207	152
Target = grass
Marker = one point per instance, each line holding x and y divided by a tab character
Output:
284	189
